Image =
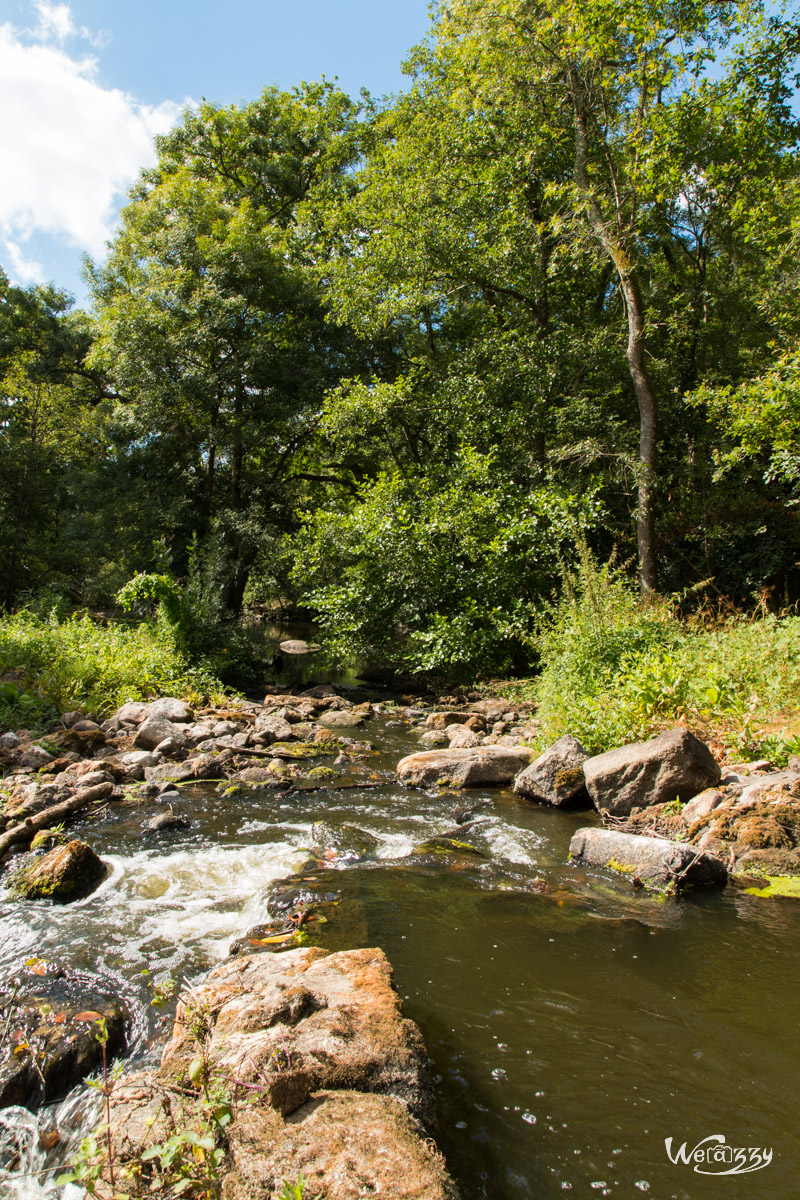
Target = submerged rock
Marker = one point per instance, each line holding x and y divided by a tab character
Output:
64	874
343	842
653	861
166	822
463	768
556	777
675	765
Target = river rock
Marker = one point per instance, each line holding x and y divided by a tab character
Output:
167	822
340	719
134	710
303	1021
172	772
344	843
8	741
177	711
463	768
674	765
64	874
655	861
345	1145
271	728
777	781
556	777
440	720
35	757
461	737
56	1036
297	646
702	806
152	731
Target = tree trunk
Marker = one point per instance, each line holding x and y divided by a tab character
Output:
618	256
648	435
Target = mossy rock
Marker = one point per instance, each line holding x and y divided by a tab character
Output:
298	750
45	839
64	874
447	847
778	885
322	773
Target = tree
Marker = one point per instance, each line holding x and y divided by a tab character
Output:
551	150
209	320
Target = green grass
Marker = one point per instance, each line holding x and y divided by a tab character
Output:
617	669
75	662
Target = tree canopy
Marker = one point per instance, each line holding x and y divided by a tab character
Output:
402	359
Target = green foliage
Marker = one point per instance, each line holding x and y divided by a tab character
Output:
297	1190
77	662
616	669
437	573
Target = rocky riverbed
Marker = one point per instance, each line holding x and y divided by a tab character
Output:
320	824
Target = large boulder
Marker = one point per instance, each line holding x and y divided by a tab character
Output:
675	765
303	1021
556	777
64	874
171	709
326	1080
654	861
152	731
468	767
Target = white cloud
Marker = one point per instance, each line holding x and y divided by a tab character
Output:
70	147
55	22
21	269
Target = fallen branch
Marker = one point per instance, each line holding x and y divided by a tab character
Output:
23	834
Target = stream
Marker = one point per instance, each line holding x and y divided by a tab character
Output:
573	1024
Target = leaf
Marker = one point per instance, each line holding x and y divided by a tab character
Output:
88	1015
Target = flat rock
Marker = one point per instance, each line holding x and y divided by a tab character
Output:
346	1146
655	861
463	768
675	765
340	720
306	1020
556	777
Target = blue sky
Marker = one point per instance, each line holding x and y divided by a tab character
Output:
87	83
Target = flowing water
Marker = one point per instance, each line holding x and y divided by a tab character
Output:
573	1025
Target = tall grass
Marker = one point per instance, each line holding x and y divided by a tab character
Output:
75	662
617	669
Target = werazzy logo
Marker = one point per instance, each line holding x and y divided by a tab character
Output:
713	1156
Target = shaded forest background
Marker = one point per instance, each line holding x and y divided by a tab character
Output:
409	363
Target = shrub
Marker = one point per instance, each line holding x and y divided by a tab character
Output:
75	662
617	668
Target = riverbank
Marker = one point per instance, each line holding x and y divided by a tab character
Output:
427	873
